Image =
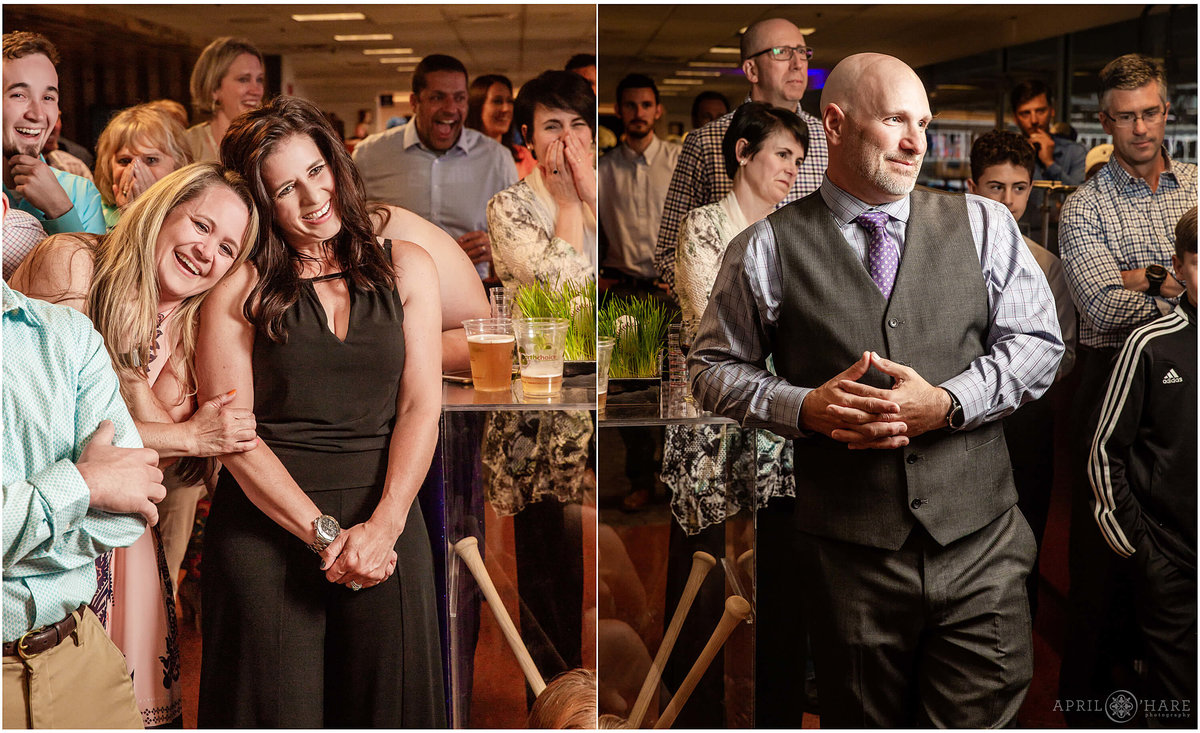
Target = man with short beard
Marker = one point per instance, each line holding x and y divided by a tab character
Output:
903	325
633	180
63	202
434	167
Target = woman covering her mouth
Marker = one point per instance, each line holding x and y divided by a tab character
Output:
142	285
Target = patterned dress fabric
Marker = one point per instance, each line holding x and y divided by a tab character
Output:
715	471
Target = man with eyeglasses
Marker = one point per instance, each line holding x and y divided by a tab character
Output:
775	60
1116	237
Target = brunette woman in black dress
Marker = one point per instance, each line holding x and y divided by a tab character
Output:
333	336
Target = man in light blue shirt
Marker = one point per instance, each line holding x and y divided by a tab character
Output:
62	201
435	167
77	483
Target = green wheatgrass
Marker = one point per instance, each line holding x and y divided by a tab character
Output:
639	326
574	301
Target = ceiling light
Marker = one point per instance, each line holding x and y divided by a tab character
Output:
807	31
405	69
725	49
682	81
304	18
399	59
693	72
365	37
715	64
386	51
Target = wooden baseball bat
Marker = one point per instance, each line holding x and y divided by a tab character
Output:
737	609
468	549
702	562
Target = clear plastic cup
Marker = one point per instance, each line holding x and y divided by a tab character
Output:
604	349
541	342
503	299
490	343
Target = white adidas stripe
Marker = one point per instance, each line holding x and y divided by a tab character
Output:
1099	472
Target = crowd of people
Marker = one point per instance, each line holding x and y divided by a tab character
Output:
250	308
228	269
837	305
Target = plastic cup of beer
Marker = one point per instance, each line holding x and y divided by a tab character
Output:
604	349
490	344
541	342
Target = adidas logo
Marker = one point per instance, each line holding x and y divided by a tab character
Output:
1172	377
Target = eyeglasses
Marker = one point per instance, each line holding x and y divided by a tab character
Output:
1126	119
785	53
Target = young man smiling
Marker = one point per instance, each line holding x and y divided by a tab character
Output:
62	201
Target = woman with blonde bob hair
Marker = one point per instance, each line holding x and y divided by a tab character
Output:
228	79
142	285
139	146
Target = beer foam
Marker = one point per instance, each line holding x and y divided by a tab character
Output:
491	338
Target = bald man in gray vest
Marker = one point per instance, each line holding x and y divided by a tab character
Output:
904	324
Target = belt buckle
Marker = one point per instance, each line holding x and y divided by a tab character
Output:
21	651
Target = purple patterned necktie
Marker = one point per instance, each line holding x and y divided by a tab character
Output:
883	252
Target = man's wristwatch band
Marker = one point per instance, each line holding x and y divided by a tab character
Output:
1156	275
954	417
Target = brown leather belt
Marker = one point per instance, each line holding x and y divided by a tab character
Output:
42	639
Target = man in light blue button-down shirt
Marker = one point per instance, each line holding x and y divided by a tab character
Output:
77	483
435	167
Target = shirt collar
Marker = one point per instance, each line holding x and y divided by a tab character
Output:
846	208
411	138
650	153
1122	178
17	304
799	111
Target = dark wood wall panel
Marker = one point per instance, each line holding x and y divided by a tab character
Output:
106	66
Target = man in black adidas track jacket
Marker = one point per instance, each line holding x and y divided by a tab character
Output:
1143	472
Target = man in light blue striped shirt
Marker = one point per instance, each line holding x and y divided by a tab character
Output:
77	483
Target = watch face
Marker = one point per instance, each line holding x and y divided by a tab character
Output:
327	528
1156	272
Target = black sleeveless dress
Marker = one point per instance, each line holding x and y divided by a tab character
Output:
284	647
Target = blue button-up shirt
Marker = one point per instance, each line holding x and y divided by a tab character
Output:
58	384
450	189
86	214
1114	222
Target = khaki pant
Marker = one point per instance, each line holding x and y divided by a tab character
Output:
81	683
176	516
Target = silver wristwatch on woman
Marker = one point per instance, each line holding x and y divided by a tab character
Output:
325	529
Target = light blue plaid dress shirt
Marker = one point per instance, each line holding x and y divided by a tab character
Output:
700	179
727	360
1114	222
58	384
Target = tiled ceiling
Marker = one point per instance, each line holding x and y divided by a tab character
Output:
519	41
660	40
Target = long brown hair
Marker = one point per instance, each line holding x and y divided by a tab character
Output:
250	140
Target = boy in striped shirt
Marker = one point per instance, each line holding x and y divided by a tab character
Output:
1142	469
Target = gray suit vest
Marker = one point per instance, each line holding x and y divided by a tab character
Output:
935	322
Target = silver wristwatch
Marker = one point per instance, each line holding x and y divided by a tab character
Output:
325	530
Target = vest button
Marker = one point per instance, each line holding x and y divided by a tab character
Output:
912	458
916	503
892	323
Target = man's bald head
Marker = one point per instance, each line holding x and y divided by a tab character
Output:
875	112
778	82
758	34
864	76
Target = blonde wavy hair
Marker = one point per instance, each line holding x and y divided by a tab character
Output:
123	298
140	126
211	67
